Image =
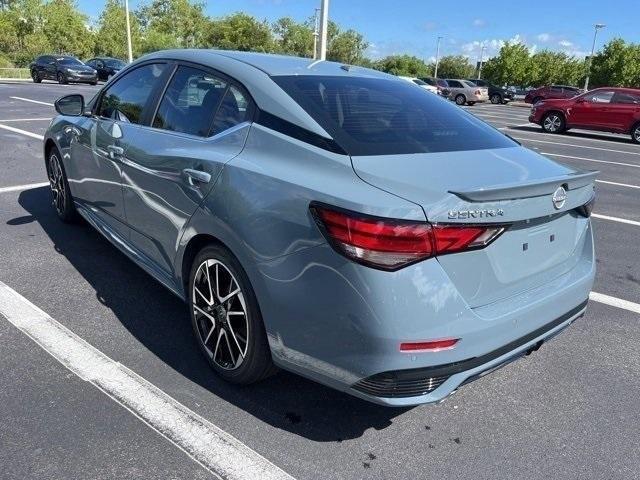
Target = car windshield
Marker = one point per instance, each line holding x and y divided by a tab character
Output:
69	61
374	116
113	63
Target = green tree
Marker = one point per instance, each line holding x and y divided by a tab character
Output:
617	65
346	46
182	20
111	35
555	67
65	28
512	66
455	66
293	38
240	31
406	65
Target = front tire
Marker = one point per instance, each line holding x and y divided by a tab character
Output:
61	78
553	122
35	76
496	99
460	100
226	318
635	133
61	198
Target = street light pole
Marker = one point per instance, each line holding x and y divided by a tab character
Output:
481	59
435	73
324	20
597	26
316	33
129	50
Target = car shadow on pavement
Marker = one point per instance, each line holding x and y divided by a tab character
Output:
160	321
625	139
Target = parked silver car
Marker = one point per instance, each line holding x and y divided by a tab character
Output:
466	92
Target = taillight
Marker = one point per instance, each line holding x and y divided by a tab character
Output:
391	244
478	92
430	346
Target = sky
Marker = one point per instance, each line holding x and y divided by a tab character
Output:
412	26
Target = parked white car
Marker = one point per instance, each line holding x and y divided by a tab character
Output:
420	83
464	92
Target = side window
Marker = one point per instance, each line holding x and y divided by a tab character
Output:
626	98
190	102
454	84
234	109
125	100
91	63
600	97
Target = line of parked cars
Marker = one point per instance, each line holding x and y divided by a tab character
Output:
65	69
464	91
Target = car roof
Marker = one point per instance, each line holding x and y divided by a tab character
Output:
271	64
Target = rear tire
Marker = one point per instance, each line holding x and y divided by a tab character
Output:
496	99
553	122
460	99
228	326
635	133
61	198
471	104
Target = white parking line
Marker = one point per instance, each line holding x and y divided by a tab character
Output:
24	119
590	159
22	132
20	188
572	135
618	184
32	101
208	445
577	146
616	219
614	302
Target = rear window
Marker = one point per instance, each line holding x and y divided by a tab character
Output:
373	116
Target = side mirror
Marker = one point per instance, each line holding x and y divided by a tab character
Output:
72	105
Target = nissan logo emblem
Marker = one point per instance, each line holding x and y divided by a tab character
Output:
559	197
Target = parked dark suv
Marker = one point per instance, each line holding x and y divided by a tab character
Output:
497	95
107	67
62	68
551	91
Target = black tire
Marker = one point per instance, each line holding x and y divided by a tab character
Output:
61	198
35	76
471	104
62	80
208	318
536	100
554	122
496	98
94	83
460	99
635	133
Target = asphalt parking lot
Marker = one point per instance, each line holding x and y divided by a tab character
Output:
569	411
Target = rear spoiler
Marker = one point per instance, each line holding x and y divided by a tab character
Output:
536	188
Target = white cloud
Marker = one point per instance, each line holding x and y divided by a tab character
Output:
543	37
479	22
565	43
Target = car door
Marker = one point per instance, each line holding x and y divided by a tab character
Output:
52	68
592	110
455	87
201	123
97	151
625	110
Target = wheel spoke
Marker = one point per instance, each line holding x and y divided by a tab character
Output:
206	267
230	295
233	359
215	350
206	340
195	289
199	310
235	339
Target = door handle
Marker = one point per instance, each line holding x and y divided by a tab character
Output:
115	152
196	176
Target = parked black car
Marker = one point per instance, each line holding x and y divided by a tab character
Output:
439	83
107	67
62	68
497	95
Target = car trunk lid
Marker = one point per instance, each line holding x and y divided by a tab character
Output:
510	186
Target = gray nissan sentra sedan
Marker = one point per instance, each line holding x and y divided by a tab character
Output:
327	219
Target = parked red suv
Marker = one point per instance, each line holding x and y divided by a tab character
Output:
606	109
551	91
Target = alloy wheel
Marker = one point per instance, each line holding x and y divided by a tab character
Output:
495	99
220	314
460	100
636	134
552	123
57	184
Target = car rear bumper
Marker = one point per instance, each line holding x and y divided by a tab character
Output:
342	324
